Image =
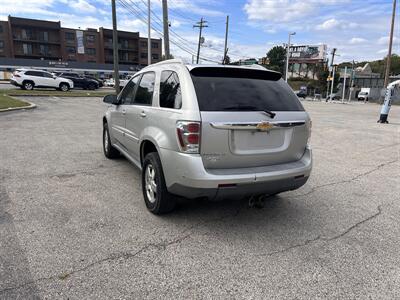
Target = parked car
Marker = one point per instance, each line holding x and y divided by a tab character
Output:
124	81
28	79
301	94
364	94
109	82
333	96
99	81
209	131
80	81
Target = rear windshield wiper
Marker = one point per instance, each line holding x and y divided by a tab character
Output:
250	108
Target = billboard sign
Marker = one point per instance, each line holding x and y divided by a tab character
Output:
79	41
308	53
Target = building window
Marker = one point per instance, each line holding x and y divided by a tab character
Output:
26	34
92	61
43	49
143	44
125	56
43	36
154	45
71	50
125	44
90	51
27	49
154	56
1	29
1	46
143	55
90	38
70	36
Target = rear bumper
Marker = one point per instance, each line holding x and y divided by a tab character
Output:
13	82
186	176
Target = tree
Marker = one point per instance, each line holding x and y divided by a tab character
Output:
277	58
322	75
170	57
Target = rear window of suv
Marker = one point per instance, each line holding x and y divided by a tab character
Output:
235	89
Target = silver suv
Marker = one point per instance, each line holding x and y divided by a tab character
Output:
209	131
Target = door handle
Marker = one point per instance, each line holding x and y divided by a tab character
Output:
143	114
124	111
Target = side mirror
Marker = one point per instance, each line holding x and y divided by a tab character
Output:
111	99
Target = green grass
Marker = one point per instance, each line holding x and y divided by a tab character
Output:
8	102
43	92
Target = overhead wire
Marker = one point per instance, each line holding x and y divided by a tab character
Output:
137	12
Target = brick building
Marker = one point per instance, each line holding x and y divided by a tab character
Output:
22	38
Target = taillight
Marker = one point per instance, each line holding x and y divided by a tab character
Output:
188	133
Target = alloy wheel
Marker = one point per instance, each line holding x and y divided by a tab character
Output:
150	183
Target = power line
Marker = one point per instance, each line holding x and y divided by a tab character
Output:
136	12
174	33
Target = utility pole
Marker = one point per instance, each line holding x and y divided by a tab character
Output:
115	47
166	29
287	57
344	83
352	81
148	33
389	57
226	40
333	79
331	65
200	25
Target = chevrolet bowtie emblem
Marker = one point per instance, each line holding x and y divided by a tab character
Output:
264	126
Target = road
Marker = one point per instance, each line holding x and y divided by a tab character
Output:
73	225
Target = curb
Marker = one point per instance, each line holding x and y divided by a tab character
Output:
31	106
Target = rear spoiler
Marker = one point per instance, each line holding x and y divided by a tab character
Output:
239	72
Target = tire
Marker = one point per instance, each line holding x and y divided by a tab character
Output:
91	86
109	151
156	196
27	85
64	87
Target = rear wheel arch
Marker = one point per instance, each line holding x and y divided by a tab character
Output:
28	81
146	147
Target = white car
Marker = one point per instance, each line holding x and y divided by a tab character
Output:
28	79
109	82
123	82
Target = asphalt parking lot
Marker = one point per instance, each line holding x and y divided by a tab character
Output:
74	225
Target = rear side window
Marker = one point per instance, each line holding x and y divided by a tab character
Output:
234	89
145	89
34	73
170	90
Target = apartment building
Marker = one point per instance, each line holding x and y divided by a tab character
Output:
22	38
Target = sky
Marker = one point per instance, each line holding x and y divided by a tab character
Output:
359	29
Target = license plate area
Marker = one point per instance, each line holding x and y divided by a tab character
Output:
252	142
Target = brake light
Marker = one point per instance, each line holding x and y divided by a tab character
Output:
188	133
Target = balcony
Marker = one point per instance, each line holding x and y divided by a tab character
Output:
35	40
120	47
